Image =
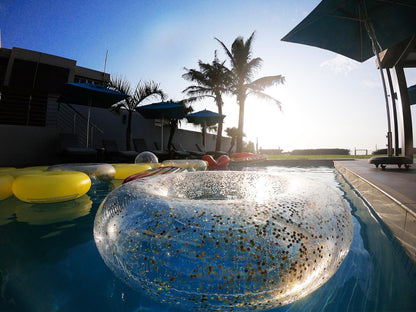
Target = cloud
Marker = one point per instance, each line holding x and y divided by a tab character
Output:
340	65
372	83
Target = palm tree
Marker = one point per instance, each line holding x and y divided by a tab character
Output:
174	123
243	67
212	80
143	91
232	133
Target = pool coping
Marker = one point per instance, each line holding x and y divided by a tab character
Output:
299	162
393	202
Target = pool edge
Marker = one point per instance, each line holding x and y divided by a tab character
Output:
397	215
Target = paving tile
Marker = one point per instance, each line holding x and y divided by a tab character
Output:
392	195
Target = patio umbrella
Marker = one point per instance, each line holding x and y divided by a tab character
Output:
162	110
358	29
91	95
412	94
204	118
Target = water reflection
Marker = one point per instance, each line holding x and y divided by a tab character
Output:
42	214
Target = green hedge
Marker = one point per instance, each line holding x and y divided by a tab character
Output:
321	151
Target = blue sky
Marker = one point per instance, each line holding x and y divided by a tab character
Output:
328	101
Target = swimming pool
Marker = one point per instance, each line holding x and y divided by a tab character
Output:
49	260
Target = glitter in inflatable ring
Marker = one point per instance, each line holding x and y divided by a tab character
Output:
213	240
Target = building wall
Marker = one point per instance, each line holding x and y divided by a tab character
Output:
28	146
114	127
28	78
31	118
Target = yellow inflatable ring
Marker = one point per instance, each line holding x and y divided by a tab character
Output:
6	182
51	186
4	169
125	170
40	168
22	171
189	164
96	172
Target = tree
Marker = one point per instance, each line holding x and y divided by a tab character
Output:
232	133
174	123
212	80
143	91
242	68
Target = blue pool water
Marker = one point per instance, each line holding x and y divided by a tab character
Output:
49	260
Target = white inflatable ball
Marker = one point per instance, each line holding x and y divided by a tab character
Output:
146	157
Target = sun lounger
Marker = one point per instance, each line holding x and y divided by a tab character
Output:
180	153
140	145
179	147
113	154
213	153
71	150
174	153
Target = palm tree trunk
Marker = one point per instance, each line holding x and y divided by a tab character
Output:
128	131
204	131
241	102
173	123
231	145
218	99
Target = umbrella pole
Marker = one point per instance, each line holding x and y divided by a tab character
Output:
161	137
389	134
394	109
374	43
204	138
88	120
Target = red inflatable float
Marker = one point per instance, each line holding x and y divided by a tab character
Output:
219	164
242	158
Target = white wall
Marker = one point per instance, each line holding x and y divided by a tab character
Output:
29	146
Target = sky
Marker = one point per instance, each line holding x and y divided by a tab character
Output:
328	101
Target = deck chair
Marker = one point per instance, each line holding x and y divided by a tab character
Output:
194	154
180	153
113	154
71	150
141	146
212	153
171	153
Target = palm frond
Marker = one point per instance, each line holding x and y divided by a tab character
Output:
120	84
184	103
118	107
199	90
232	132
212	80
146	90
194	75
265	96
192	99
264	82
229	54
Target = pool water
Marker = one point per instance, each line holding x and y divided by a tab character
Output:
49	260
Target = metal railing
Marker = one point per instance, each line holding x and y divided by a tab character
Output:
69	119
29	109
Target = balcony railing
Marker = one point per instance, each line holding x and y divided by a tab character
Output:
42	110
